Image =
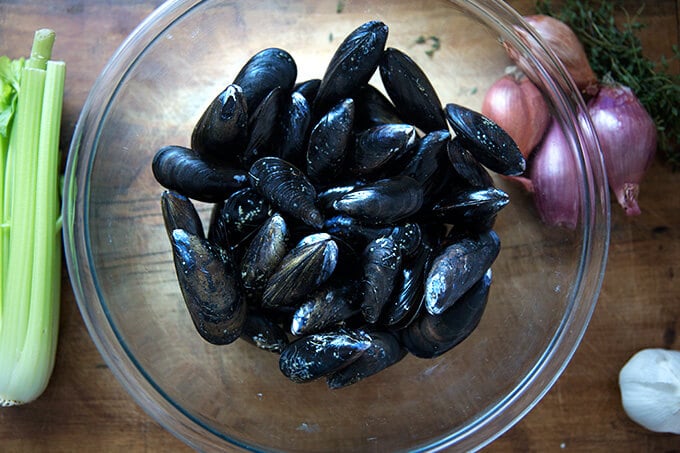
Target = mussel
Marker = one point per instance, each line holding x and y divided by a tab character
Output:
309	264
293	129
210	287
352	65
221	131
326	307
382	262
286	188
432	335
457	267
486	140
328	143
384	351
183	170
235	219
411	91
381	145
263	255
317	355
382	202
179	213
264	333
266	70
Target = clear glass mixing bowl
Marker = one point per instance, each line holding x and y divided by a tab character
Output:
546	280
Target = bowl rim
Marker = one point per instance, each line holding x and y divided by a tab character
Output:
536	383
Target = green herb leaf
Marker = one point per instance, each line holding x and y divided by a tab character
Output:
616	51
10	77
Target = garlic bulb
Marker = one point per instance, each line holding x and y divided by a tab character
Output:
650	389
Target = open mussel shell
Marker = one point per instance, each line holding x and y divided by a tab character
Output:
235	219
352	65
308	265
293	129
264	333
222	129
381	145
263	255
385	201
183	170
432	335
210	288
317	355
457	267
326	307
286	188
179	213
381	263
486	141
384	351
266	70
411	91
328	143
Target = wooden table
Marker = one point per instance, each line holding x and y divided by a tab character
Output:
86	409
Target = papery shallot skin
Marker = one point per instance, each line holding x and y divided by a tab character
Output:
627	136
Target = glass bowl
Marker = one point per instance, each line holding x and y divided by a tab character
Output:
546	280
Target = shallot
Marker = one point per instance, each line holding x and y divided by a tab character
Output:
627	136
516	105
554	175
563	41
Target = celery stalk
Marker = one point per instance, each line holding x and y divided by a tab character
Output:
30	293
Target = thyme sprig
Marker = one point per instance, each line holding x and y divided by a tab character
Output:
615	51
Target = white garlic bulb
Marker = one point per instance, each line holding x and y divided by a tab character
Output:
650	389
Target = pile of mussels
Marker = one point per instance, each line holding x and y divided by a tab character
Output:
348	228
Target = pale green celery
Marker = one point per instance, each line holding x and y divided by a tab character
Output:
38	353
29	319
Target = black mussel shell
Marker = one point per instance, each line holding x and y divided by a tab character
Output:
316	355
470	208
328	143
411	91
264	333
183	170
325	199
468	172
429	158
293	129
379	146
263	255
266	70
486	141
408	237
383	202
381	262
384	351
409	292
235	219
354	232
221	131
432	335
327	306
457	267
306	267
286	188
374	109
209	284
262	126
179	213
352	65
308	89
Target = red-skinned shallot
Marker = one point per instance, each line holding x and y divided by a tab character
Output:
517	106
627	136
554	175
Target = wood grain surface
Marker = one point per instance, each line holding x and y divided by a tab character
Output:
86	409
